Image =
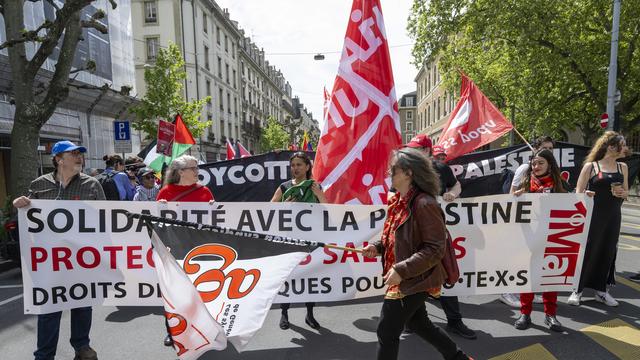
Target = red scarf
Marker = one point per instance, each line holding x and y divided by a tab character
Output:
540	184
397	213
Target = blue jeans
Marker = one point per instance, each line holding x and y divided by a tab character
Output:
49	330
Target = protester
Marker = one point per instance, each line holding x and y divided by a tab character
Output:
541	143
66	182
113	179
148	189
439	154
181	184
542	176
301	188
131	166
450	189
412	247
606	179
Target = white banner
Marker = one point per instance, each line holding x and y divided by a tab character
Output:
82	253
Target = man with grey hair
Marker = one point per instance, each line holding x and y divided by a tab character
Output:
66	182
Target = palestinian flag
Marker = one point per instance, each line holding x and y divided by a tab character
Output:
182	142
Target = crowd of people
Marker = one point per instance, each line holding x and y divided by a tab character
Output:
414	242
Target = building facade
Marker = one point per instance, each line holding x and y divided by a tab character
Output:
434	102
407	112
86	117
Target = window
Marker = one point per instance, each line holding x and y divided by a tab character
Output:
409	126
226	43
229	103
407	138
205	24
219	67
223	138
234	79
221	99
150	12
235	106
409	115
226	72
233	50
409	101
153	43
208	90
206	58
218	35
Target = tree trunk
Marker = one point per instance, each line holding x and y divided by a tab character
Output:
24	154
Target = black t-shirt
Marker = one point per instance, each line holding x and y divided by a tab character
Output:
447	179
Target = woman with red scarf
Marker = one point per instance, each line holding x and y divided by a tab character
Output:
543	176
412	247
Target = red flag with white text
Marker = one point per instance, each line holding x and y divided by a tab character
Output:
362	125
474	122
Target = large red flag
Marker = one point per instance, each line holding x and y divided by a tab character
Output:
362	125
474	122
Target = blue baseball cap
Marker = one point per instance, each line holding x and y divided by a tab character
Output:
64	146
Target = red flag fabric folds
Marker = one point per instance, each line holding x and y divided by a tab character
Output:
362	125
474	122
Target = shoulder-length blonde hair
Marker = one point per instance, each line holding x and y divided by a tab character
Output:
599	149
422	174
173	172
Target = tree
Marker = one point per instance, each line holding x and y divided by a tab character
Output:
274	136
164	97
546	59
36	99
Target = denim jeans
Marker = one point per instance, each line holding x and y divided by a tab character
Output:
411	311
49	331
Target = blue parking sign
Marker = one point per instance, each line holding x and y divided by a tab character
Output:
122	131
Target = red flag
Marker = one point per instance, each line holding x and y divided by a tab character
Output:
231	152
362	125
474	122
242	150
183	135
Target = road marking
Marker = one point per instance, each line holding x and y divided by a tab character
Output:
628	283
630	237
10	286
618	337
535	351
10	299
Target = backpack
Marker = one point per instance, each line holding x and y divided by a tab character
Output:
109	185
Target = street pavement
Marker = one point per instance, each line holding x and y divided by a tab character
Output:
592	331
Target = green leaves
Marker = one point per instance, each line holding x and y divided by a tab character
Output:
546	58
164	97
274	136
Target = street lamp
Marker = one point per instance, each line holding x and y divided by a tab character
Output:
318	56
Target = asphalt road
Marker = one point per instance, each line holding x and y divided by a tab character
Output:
593	331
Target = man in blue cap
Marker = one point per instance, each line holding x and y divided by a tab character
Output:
66	182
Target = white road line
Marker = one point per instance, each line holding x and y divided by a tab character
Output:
10	299
10	286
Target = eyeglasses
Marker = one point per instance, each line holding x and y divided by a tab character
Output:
194	168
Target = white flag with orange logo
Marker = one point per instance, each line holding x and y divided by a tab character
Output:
236	275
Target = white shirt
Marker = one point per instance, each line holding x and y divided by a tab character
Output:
519	175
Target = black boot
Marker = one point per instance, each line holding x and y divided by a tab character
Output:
309	319
168	341
523	322
284	321
552	322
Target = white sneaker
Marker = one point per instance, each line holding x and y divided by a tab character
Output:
606	298
537	299
574	299
512	300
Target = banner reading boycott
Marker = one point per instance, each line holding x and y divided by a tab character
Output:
82	253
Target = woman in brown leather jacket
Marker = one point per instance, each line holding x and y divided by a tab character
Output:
412	247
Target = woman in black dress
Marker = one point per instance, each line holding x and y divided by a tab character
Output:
604	178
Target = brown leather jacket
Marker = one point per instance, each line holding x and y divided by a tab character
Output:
420	246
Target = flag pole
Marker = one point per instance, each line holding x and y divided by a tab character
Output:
523	139
223	230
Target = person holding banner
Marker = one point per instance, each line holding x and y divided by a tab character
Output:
412	248
606	179
66	182
181	182
542	176
301	188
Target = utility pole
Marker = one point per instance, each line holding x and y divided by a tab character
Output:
613	66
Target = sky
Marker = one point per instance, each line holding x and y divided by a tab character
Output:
293	27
